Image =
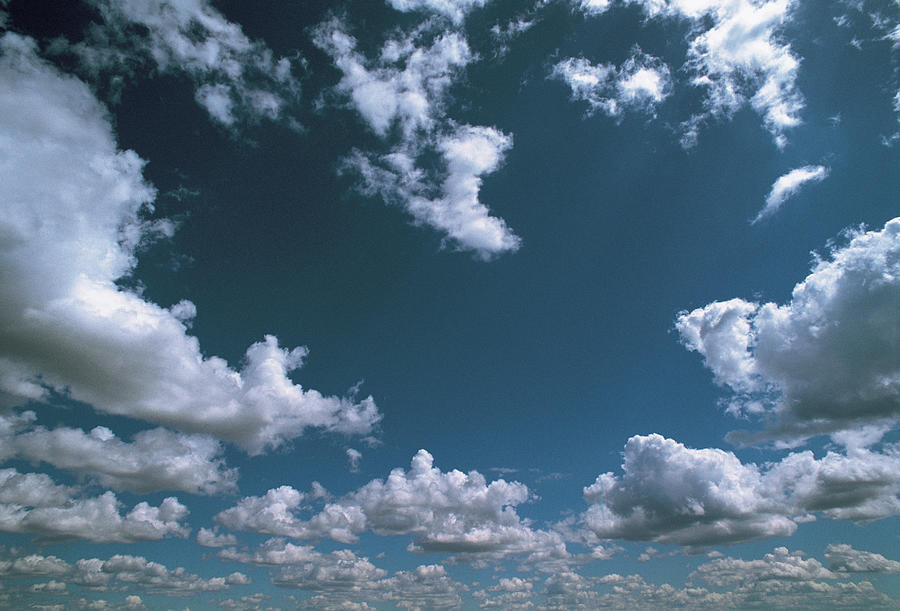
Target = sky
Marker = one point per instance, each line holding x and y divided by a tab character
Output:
419	304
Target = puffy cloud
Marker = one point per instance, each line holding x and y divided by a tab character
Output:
48	511
401	96
446	512
641	82
788	185
72	224
119	572
673	494
454	10
824	363
735	55
843	558
157	459
235	78
207	537
779	565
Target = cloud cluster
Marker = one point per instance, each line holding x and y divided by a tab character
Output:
673	494
845	559
734	55
789	184
32	503
118	573
455	10
234	78
73	220
445	512
641	82
824	363
401	96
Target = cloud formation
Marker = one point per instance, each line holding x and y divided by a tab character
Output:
455	10
74	220
401	96
825	362
673	494
789	184
445	512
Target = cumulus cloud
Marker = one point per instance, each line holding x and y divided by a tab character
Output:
640	83
119	572
235	78
735	55
673	494
401	97
73	221
826	362
845	559
445	512
33	503
156	459
454	10
789	184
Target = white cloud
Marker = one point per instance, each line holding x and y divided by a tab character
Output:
789	184
825	362
640	83
401	96
32	503
212	538
673	494
781	564
72	222
454	10
735	55
353	459
843	558
119	572
445	512
235	78
156	459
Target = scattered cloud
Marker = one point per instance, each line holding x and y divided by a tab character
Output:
823	363
235	78
74	220
640	83
401	96
353	459
455	10
788	185
736	56
844	559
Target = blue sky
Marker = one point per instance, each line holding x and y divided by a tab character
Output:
449	304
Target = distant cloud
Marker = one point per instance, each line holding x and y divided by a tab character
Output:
445	512
401	96
74	221
640	83
844	558
824	363
454	10
788	185
236	79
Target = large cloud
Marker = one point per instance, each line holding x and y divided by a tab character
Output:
235	78
735	56
673	494
825	362
445	512
401	96
72	209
